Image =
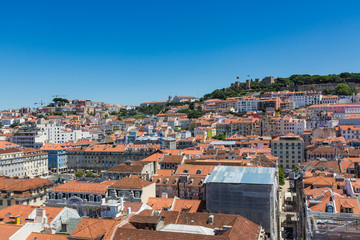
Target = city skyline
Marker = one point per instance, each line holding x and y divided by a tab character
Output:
129	53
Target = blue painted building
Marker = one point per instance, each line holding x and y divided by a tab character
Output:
57	158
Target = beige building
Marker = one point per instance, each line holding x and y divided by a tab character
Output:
23	191
289	149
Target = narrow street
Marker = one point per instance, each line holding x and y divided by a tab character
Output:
287	215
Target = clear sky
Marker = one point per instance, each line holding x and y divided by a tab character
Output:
128	52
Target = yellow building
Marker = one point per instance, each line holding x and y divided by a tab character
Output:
210	132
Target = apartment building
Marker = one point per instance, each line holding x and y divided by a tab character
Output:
19	162
57	156
103	156
349	132
246	126
339	110
85	196
23	191
245	104
289	149
292	125
132	189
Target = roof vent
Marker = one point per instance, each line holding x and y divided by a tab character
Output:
210	219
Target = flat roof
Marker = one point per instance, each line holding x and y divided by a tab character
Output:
248	175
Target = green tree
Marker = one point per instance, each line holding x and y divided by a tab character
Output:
89	174
220	136
194	114
79	174
60	100
281	176
343	89
326	91
345	75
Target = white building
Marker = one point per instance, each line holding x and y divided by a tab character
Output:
290	125
246	104
23	163
59	134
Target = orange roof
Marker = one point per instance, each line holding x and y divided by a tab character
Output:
165	172
131	183
52	146
19	184
5	144
106	148
87	187
160	203
186	204
8	214
195	169
8	230
93	228
46	236
155	157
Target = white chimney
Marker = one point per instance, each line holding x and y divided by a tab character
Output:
40	216
164	195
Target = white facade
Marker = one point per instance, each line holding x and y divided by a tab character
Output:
20	163
290	125
58	134
247	104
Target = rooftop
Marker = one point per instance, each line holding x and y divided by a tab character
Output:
247	175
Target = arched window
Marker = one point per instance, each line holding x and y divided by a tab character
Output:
98	198
91	198
137	194
52	195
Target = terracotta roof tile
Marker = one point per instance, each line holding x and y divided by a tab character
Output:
131	183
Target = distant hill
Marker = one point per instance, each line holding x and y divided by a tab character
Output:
239	89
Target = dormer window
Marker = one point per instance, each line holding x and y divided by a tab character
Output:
348	210
186	170
198	171
191	181
52	195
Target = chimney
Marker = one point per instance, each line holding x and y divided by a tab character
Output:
210	219
128	211
40	216
17	220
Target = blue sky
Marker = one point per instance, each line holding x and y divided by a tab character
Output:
128	52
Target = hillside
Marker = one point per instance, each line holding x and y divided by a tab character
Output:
241	89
